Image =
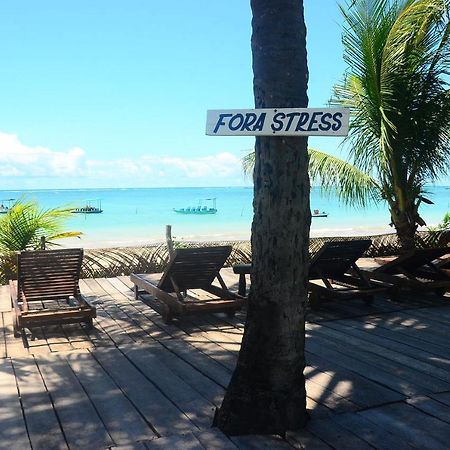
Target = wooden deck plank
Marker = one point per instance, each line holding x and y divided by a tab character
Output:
384	359
410	425
186	441
123	422
258	442
436	379
202	362
185	352
113	307
78	336
407	345
442	397
348	384
404	323
374	435
303	439
126	302
409	336
214	439
359	363
329	398
79	419
13	432
3	352
14	346
336	436
56	338
157	409
5	299
104	319
199	410
139	312
341	357
199	342
191	375
43	426
431	407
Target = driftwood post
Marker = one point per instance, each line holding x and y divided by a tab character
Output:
169	240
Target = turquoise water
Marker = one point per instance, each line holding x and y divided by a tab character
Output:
138	216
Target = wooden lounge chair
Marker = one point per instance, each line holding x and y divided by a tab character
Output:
47	292
330	277
416	270
193	270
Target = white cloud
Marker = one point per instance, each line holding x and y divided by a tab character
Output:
20	160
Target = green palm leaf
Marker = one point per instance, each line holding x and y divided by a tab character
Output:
25	224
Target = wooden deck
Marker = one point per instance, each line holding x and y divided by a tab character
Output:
377	377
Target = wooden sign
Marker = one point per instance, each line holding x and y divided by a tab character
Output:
278	122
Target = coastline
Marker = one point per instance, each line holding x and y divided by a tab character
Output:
90	241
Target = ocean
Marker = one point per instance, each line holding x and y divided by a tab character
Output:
139	216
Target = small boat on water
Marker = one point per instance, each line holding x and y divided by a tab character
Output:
201	209
89	208
5	208
317	213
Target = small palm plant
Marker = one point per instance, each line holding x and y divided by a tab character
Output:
23	227
25	224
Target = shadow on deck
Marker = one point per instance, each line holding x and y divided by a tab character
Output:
378	376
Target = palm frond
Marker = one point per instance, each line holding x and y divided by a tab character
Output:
26	223
337	176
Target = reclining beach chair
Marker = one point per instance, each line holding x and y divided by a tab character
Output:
416	270
47	292
329	276
186	284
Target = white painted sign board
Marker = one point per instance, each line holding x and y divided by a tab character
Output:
278	122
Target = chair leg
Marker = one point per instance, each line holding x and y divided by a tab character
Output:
136	292
166	314
314	300
89	322
17	330
440	292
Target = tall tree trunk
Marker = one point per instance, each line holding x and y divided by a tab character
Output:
267	390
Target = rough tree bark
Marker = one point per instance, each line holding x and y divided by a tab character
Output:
267	390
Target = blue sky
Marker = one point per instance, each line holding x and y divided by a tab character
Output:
110	93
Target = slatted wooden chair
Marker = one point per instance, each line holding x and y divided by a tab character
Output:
186	284
47	291
334	274
417	271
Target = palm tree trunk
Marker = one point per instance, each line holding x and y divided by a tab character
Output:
406	227
267	390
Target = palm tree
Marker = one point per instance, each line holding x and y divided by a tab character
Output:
398	56
396	88
267	390
26	223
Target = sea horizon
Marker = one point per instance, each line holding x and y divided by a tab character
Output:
141	218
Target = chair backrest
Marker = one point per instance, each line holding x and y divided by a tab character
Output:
194	268
336	257
413	260
49	274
